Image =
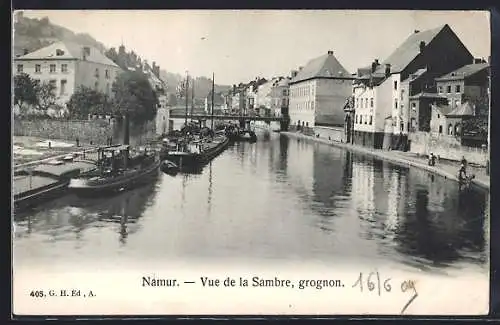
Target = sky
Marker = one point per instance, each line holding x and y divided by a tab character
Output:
240	45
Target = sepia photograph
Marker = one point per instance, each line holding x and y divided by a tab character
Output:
250	162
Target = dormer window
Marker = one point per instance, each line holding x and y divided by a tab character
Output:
59	52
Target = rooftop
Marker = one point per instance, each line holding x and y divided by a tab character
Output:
427	95
68	51
464	72
444	109
466	109
325	66
410	49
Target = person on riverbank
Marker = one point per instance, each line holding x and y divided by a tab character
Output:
432	159
462	173
464	161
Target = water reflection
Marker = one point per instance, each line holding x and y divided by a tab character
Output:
278	198
72	216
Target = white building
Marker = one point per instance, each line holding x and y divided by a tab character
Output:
318	93
68	66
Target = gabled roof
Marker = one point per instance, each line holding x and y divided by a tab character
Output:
325	66
444	109
464	72
409	49
69	51
466	109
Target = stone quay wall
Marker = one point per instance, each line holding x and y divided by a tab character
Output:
446	147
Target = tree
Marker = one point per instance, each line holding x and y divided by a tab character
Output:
25	92
46	96
172	99
85	101
133	95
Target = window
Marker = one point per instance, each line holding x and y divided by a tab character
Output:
439	116
38	68
450	129
63	86
457	88
448	89
19	68
361	102
106	74
440	89
371	119
361	119
395	85
440	129
356	119
371	103
52	68
312	105
366	102
97	72
396	103
357	102
64	68
402	94
53	84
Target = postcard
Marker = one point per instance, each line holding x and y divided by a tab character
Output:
251	162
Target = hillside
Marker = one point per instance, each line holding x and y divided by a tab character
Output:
32	34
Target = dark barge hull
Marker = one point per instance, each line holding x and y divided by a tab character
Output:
117	185
188	161
41	195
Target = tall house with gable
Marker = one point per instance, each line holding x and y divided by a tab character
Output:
318	92
382	91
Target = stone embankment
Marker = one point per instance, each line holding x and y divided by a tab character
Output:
93	131
443	168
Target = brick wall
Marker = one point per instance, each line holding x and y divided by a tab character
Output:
446	147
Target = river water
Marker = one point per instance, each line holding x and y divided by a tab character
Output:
278	200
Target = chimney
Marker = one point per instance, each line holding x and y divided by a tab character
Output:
416	31
375	64
330	52
387	70
477	60
85	52
294	73
25	51
422	46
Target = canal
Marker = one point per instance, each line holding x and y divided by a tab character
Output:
277	200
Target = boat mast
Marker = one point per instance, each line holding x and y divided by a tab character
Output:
187	88
213	91
192	100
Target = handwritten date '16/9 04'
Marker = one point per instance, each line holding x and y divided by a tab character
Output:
373	281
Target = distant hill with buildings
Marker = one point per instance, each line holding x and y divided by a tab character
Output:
31	34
